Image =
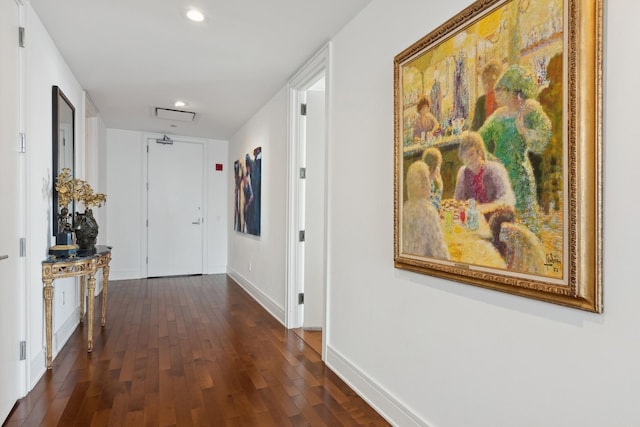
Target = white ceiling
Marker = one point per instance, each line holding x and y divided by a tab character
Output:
134	55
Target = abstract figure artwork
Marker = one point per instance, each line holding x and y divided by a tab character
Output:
248	176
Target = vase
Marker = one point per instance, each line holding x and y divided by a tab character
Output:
86	229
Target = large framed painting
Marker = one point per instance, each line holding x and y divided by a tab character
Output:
248	183
498	150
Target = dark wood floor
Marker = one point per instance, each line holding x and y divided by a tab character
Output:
189	351
312	338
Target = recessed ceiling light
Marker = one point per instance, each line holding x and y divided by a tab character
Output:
179	104
195	15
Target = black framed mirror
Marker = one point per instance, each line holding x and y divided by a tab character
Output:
63	127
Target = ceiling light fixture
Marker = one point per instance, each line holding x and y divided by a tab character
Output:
179	104
175	115
195	15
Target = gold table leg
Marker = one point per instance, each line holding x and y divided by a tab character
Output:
82	286
48	308
105	291
91	291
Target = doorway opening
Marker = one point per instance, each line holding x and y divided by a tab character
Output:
307	216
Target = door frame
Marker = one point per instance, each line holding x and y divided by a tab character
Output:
24	309
297	86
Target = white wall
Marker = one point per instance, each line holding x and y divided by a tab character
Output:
125	210
45	67
101	185
218	210
427	351
126	167
266	253
95	160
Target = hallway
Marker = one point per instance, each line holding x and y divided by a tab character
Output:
189	351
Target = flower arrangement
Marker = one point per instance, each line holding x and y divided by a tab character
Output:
77	190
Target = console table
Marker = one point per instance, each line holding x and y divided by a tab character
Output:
83	267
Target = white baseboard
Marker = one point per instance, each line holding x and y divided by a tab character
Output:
385	404
217	269
124	274
62	334
38	363
37	368
263	299
137	274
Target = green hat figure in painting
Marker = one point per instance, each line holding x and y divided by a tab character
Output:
518	79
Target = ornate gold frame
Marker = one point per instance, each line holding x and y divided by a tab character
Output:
581	284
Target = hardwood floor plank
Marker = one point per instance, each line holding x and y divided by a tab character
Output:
212	412
100	418
133	419
189	351
120	404
89	405
313	338
75	400
151	409
167	403
282	398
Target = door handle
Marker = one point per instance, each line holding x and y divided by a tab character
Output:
3	257
196	222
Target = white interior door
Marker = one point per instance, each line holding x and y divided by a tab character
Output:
314	212
175	209
9	213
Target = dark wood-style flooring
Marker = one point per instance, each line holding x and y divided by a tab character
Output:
312	338
189	351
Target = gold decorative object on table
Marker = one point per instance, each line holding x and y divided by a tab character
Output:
84	225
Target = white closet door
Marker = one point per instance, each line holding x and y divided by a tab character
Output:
314	250
175	209
9	213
